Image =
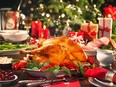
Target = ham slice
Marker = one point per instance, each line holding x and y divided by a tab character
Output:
105	40
97	43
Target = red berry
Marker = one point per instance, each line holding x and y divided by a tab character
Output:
33	41
6	79
0	79
91	60
39	45
6	75
32	48
86	68
11	73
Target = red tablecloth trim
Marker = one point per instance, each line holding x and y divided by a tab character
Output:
66	84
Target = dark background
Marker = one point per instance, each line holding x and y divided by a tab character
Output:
9	4
14	3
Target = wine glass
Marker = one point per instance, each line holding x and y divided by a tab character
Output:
27	22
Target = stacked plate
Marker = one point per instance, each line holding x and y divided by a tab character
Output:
100	83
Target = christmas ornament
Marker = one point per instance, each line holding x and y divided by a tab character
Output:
66	30
110	10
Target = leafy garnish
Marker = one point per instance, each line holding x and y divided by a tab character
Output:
46	63
52	68
66	70
14	61
32	64
81	70
55	72
80	67
35	68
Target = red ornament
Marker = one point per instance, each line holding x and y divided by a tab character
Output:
110	11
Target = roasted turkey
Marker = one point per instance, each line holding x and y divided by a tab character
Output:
59	50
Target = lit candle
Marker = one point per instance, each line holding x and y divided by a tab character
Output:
36	27
44	33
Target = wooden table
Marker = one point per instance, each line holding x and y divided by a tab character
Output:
22	75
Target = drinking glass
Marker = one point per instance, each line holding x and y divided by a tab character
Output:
27	22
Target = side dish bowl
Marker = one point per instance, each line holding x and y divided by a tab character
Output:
14	35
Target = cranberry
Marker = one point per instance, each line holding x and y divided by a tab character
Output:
11	73
11	77
2	71
6	75
6	79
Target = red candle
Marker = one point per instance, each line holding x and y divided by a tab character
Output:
44	33
36	27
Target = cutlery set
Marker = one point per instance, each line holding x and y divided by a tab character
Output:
34	83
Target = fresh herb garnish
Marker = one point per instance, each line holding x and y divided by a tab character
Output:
33	64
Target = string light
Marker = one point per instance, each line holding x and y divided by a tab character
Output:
66	10
43	14
79	10
61	1
77	0
29	2
31	15
24	5
47	15
69	6
32	9
63	15
87	8
41	6
22	16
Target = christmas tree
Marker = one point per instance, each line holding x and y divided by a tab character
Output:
59	12
56	14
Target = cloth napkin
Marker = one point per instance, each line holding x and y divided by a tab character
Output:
98	73
65	84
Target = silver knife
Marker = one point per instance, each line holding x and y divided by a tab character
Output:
52	81
25	82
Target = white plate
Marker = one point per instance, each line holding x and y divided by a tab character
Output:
36	73
106	83
100	83
9	52
47	75
8	81
14	35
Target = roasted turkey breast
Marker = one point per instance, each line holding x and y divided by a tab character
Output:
59	50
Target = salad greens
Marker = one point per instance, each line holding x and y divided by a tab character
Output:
10	46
